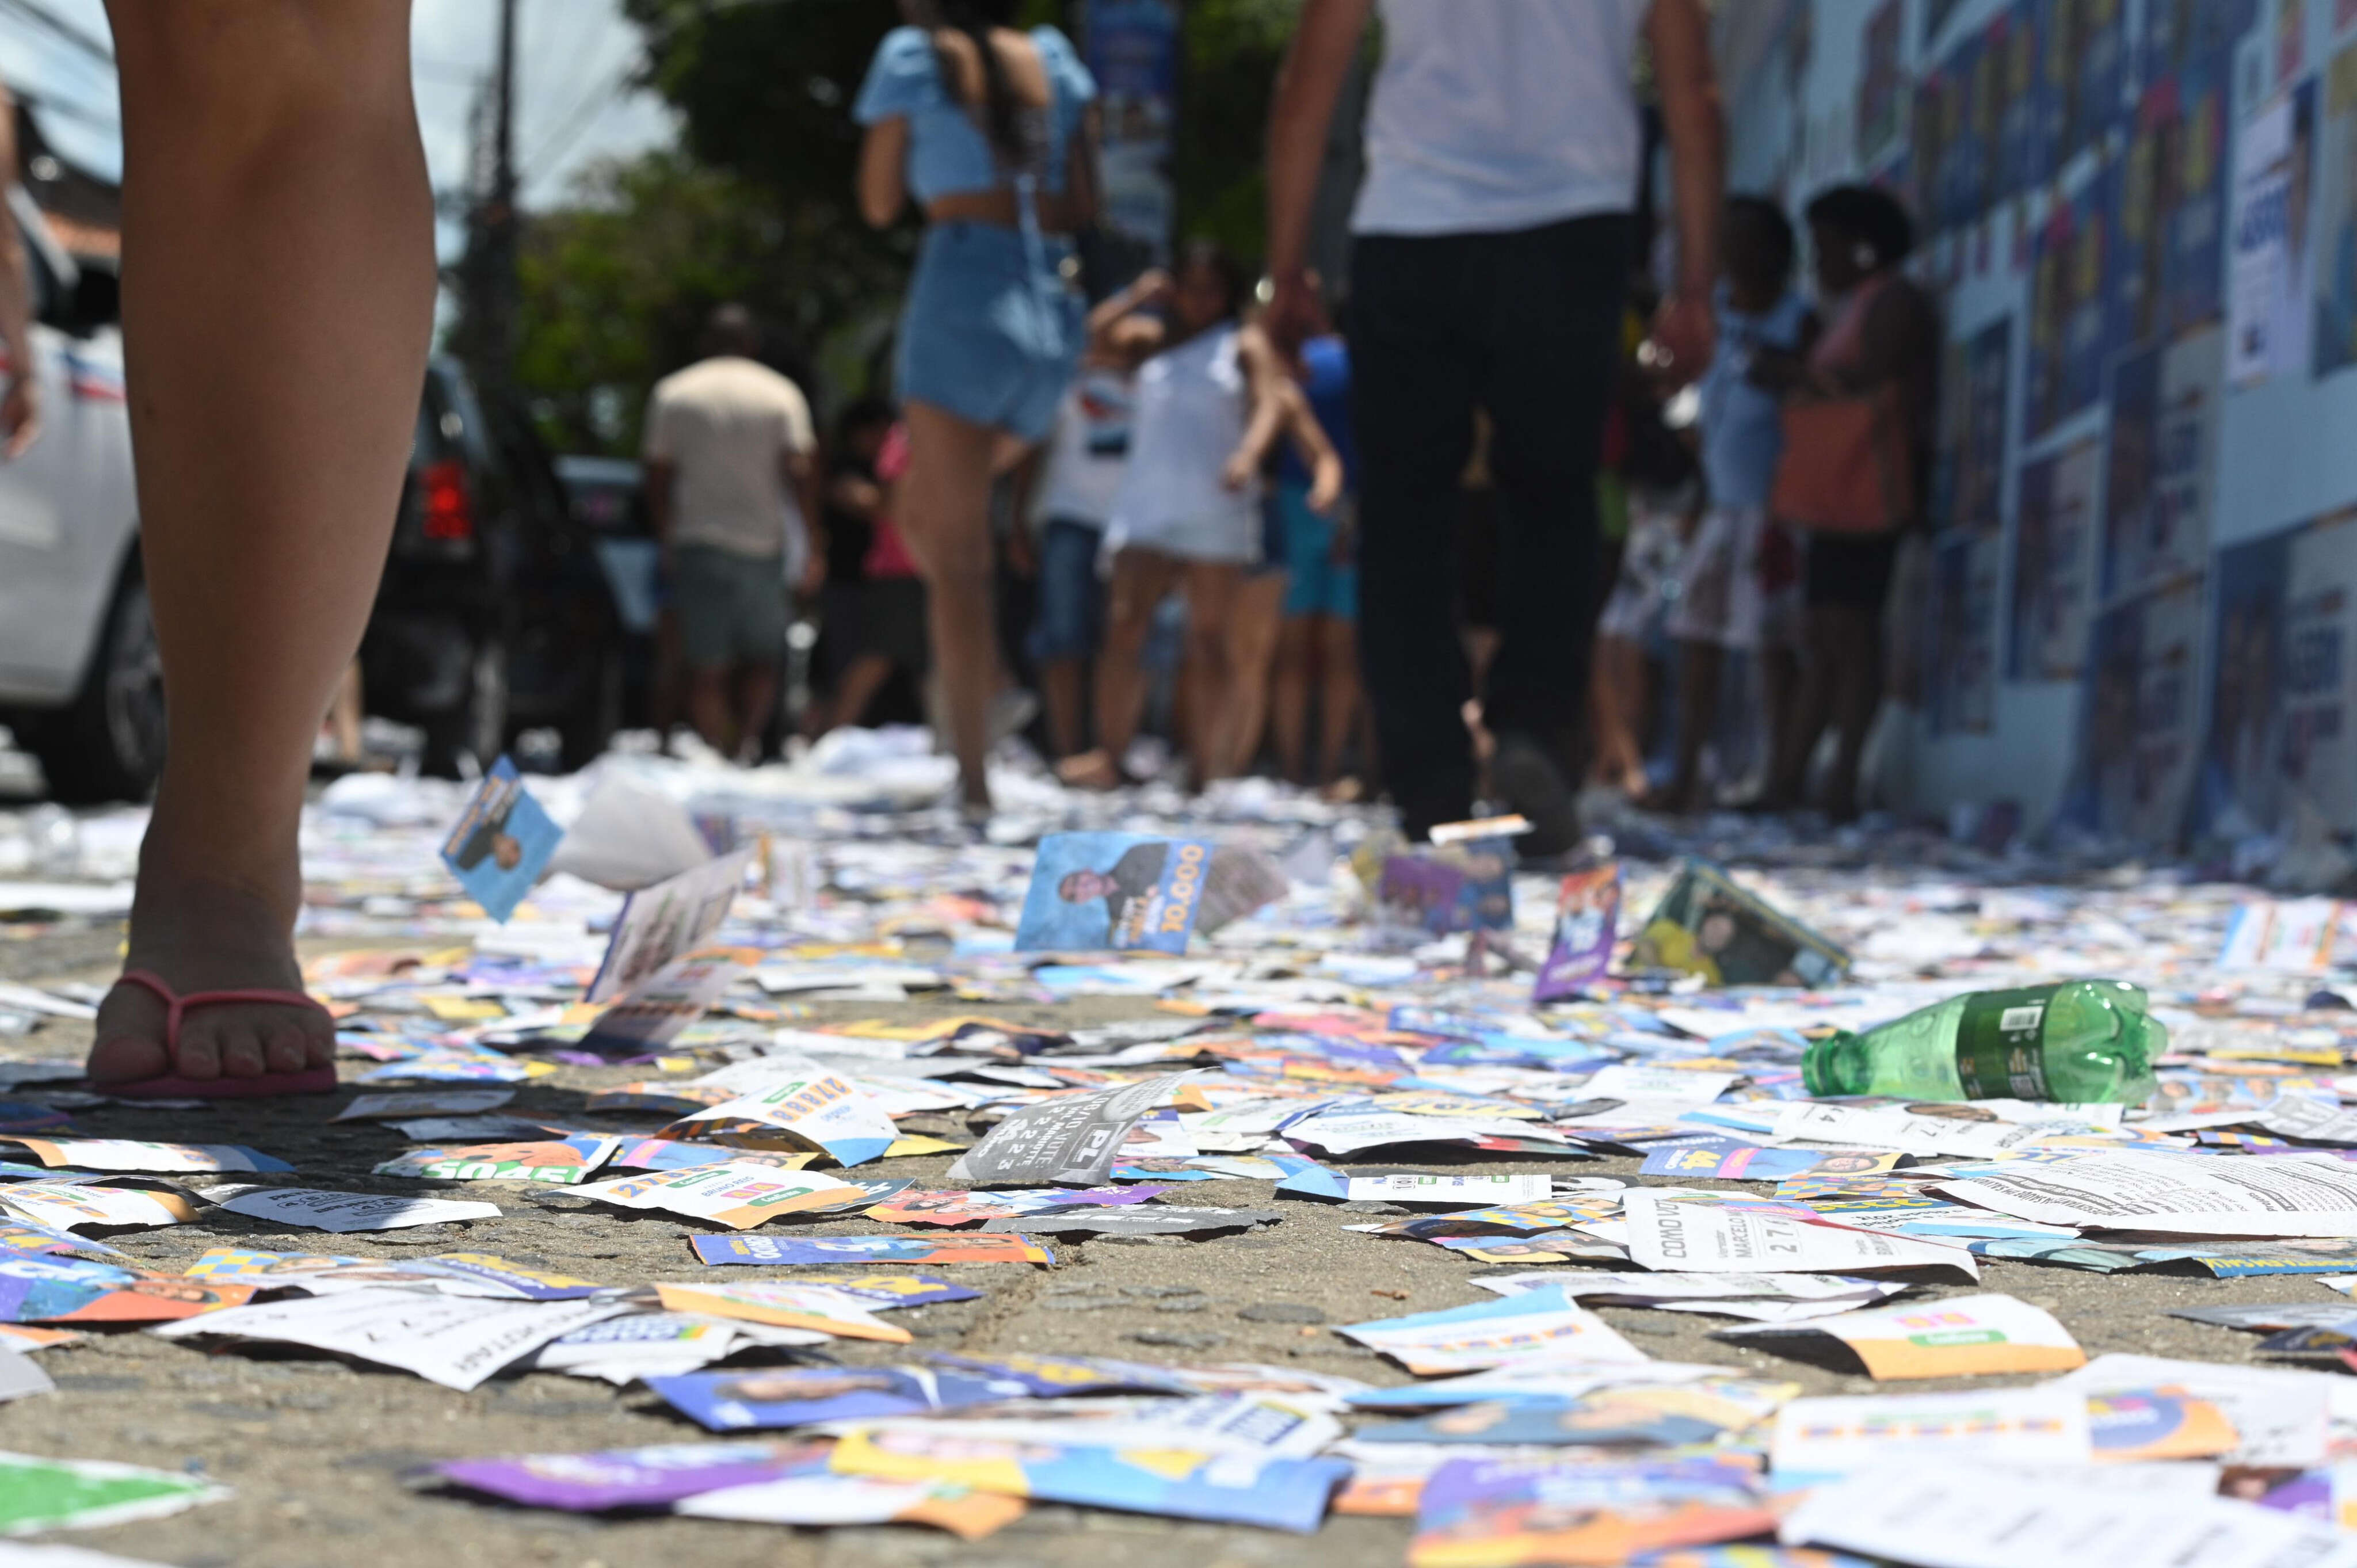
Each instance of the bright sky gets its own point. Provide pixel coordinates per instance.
(574, 106)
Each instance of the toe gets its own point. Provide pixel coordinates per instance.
(130, 1038)
(243, 1051)
(284, 1048)
(319, 1043)
(200, 1047)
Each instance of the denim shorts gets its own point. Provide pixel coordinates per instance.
(1319, 584)
(1072, 599)
(989, 334)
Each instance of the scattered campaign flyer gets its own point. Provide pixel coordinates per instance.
(1708, 925)
(1967, 1516)
(456, 1341)
(424, 1102)
(1587, 924)
(662, 924)
(39, 1494)
(958, 1206)
(1414, 1188)
(1818, 1439)
(501, 842)
(1501, 1512)
(652, 1014)
(882, 1288)
(820, 1308)
(845, 1249)
(2286, 1195)
(1135, 893)
(1159, 1220)
(1462, 884)
(67, 1206)
(768, 1397)
(128, 1154)
(1666, 1415)
(823, 1497)
(811, 1106)
(738, 1195)
(1230, 1488)
(344, 1212)
(1468, 1338)
(1962, 1336)
(650, 1478)
(561, 1162)
(2282, 1418)
(1070, 1139)
(1712, 1238)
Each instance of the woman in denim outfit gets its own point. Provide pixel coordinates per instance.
(989, 130)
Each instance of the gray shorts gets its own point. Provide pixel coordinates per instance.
(731, 608)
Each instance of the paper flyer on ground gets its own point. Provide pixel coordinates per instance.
(1957, 1336)
(1073, 1139)
(828, 1250)
(737, 1196)
(1586, 923)
(37, 1494)
(2289, 1195)
(813, 1107)
(1468, 1338)
(1664, 1233)
(662, 924)
(501, 842)
(343, 1212)
(652, 1014)
(1818, 1439)
(1706, 925)
(456, 1341)
(1130, 892)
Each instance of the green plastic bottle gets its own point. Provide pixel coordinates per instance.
(2081, 1042)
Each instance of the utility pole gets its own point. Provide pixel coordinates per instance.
(491, 284)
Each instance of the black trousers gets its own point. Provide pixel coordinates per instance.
(1527, 326)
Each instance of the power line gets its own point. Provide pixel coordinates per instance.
(585, 115)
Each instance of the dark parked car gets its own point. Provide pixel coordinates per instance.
(609, 502)
(495, 615)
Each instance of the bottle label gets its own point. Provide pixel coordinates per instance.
(2000, 1048)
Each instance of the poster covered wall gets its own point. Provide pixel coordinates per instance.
(1133, 52)
(2053, 588)
(2139, 716)
(2163, 456)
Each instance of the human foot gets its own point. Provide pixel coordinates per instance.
(196, 937)
(1090, 770)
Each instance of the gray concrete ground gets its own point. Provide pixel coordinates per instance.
(321, 1453)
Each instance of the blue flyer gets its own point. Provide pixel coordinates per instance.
(502, 842)
(763, 1398)
(1129, 892)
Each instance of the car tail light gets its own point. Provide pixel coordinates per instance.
(449, 512)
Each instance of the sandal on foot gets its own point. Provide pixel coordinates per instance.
(173, 1086)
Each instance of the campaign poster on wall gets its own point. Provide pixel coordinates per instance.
(1978, 503)
(2068, 319)
(2282, 688)
(2141, 193)
(2335, 328)
(2053, 562)
(2058, 82)
(2102, 47)
(2161, 468)
(2139, 707)
(2194, 190)
(1882, 79)
(1930, 131)
(2013, 38)
(1133, 52)
(2237, 791)
(1960, 676)
(2267, 286)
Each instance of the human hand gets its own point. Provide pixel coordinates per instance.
(813, 576)
(1292, 317)
(20, 417)
(1684, 335)
(1237, 472)
(1326, 488)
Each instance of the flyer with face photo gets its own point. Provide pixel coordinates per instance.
(662, 924)
(1708, 925)
(1132, 892)
(1586, 923)
(502, 842)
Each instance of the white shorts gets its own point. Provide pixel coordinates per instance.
(1739, 585)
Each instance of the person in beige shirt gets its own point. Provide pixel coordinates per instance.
(732, 487)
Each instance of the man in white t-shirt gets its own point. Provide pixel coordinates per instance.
(732, 486)
(1495, 245)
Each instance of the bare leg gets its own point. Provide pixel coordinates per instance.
(1699, 664)
(664, 685)
(708, 708)
(1338, 714)
(1142, 579)
(1062, 684)
(1289, 696)
(863, 678)
(344, 718)
(945, 516)
(278, 293)
(1618, 696)
(1252, 626)
(757, 705)
(1210, 674)
(1813, 707)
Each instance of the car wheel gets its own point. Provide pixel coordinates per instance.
(589, 728)
(108, 743)
(477, 726)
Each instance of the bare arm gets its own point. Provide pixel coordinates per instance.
(802, 476)
(1307, 85)
(1265, 383)
(1080, 200)
(1151, 287)
(883, 179)
(20, 414)
(1688, 85)
(659, 474)
(1313, 445)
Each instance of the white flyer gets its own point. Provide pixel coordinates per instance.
(1489, 1334)
(810, 1105)
(2295, 1116)
(343, 1212)
(130, 1155)
(662, 924)
(1961, 1518)
(2282, 1415)
(1663, 1289)
(1450, 1191)
(1957, 1336)
(1890, 1128)
(652, 1013)
(1710, 1237)
(1630, 1080)
(1346, 1132)
(824, 1501)
(737, 1196)
(66, 1205)
(1818, 1439)
(2191, 1194)
(456, 1341)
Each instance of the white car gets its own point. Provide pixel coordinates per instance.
(81, 681)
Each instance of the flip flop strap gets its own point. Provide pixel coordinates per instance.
(177, 1007)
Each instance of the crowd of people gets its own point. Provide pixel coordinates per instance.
(1178, 490)
(1489, 358)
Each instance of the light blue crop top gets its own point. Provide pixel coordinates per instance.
(948, 153)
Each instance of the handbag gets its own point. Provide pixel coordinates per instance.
(1847, 466)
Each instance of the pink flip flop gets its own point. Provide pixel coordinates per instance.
(172, 1086)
